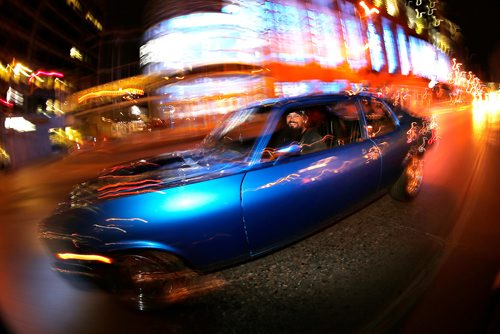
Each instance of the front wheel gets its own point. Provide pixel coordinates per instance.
(409, 183)
(148, 281)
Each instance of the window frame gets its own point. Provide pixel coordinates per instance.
(388, 111)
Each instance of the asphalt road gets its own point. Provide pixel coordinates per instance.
(391, 267)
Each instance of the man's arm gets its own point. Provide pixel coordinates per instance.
(312, 141)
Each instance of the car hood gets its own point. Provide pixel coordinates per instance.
(154, 174)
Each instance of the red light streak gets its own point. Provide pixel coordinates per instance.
(7, 104)
(112, 170)
(129, 193)
(124, 188)
(49, 74)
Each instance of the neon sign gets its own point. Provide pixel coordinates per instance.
(390, 47)
(376, 51)
(404, 57)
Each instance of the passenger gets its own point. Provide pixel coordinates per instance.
(299, 132)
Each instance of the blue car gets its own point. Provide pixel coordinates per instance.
(271, 174)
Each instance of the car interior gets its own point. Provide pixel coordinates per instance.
(337, 123)
(377, 117)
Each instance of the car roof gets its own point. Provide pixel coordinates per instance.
(309, 98)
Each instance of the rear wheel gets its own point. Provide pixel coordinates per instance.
(409, 183)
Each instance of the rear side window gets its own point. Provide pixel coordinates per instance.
(344, 122)
(379, 120)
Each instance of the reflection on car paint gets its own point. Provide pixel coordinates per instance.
(372, 154)
(110, 227)
(288, 178)
(305, 175)
(129, 188)
(128, 219)
(317, 177)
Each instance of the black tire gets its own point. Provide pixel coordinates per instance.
(149, 281)
(409, 183)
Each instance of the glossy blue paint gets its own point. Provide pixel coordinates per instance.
(199, 222)
(225, 203)
(286, 201)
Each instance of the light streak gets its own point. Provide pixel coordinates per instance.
(368, 11)
(421, 148)
(49, 74)
(129, 184)
(85, 257)
(436, 22)
(114, 169)
(131, 193)
(110, 227)
(118, 92)
(329, 170)
(127, 219)
(20, 68)
(327, 137)
(288, 178)
(7, 104)
(129, 188)
(320, 164)
(412, 133)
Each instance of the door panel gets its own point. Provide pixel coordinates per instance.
(286, 201)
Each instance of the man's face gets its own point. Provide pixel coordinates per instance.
(295, 120)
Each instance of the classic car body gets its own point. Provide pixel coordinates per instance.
(236, 196)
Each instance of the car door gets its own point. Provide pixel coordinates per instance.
(382, 127)
(287, 199)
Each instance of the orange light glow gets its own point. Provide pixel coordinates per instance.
(119, 92)
(368, 11)
(485, 116)
(85, 257)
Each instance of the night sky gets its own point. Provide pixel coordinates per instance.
(479, 21)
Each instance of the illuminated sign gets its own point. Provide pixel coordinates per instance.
(202, 38)
(423, 57)
(376, 51)
(353, 37)
(404, 57)
(326, 37)
(290, 28)
(443, 66)
(390, 46)
(19, 124)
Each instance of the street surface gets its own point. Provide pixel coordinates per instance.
(425, 266)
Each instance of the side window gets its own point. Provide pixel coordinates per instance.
(344, 123)
(303, 126)
(379, 120)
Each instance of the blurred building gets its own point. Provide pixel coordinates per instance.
(48, 50)
(305, 46)
(102, 53)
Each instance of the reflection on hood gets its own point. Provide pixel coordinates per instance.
(153, 175)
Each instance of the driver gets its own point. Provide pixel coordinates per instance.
(298, 132)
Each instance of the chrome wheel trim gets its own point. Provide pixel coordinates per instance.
(414, 175)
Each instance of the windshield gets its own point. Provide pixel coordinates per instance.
(238, 133)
